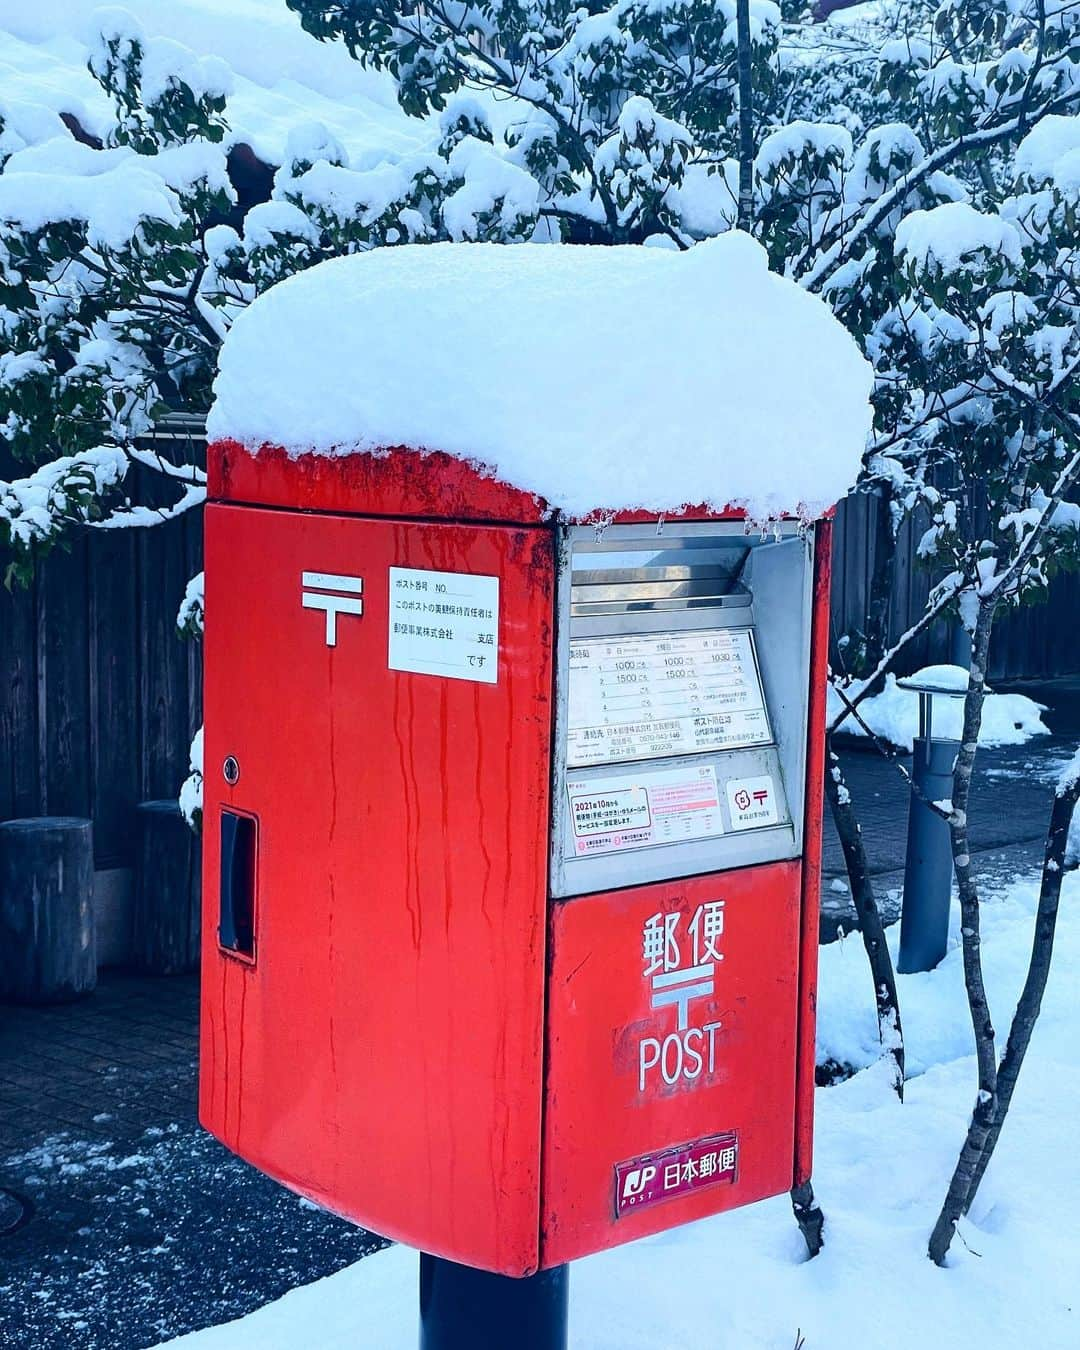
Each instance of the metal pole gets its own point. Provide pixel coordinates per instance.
(466, 1309)
(928, 871)
(960, 646)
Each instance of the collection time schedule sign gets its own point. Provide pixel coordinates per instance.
(658, 694)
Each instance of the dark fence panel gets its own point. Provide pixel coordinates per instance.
(99, 695)
(1035, 642)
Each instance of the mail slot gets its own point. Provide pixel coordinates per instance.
(521, 831)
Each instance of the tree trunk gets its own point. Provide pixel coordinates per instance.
(165, 937)
(985, 1110)
(47, 948)
(809, 1217)
(746, 117)
(871, 927)
(1042, 951)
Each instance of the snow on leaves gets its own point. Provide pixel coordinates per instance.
(64, 490)
(101, 276)
(164, 93)
(955, 242)
(917, 165)
(607, 105)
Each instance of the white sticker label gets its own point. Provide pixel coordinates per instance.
(752, 802)
(444, 623)
(666, 806)
(652, 695)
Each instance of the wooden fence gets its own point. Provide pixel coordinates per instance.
(1036, 642)
(99, 697)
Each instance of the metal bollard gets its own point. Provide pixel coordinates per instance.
(466, 1309)
(928, 868)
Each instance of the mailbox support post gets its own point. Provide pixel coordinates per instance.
(928, 869)
(466, 1309)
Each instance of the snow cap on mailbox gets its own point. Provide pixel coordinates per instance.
(597, 379)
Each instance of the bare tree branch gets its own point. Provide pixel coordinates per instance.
(890, 1030)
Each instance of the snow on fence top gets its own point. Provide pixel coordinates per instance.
(596, 378)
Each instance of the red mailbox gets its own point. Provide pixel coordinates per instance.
(512, 836)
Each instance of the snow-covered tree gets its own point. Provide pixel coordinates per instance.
(103, 309)
(913, 165)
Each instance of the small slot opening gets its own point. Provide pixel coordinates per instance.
(696, 572)
(236, 926)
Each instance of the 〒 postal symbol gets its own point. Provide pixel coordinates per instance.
(323, 590)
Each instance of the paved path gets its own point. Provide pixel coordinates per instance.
(144, 1227)
(1010, 808)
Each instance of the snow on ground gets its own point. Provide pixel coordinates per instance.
(127, 1228)
(281, 76)
(741, 1280)
(467, 349)
(1008, 719)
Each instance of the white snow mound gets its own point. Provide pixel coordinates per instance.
(596, 378)
(893, 715)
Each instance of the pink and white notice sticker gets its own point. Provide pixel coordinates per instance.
(644, 806)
